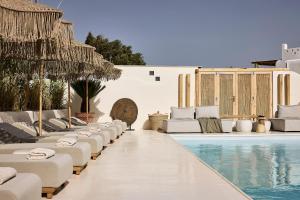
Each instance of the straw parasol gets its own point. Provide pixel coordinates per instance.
(34, 39)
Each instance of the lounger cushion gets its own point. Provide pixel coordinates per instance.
(289, 111)
(25, 186)
(95, 141)
(181, 126)
(207, 111)
(18, 133)
(182, 113)
(53, 171)
(80, 152)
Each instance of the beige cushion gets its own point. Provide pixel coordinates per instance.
(207, 111)
(53, 171)
(182, 113)
(80, 152)
(289, 111)
(25, 186)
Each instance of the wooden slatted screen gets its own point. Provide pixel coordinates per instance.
(226, 94)
(263, 94)
(244, 94)
(207, 89)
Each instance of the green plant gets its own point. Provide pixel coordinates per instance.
(33, 103)
(94, 88)
(9, 94)
(57, 91)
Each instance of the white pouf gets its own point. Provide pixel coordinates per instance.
(244, 125)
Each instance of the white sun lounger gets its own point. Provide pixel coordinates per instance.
(25, 186)
(95, 142)
(54, 171)
(80, 152)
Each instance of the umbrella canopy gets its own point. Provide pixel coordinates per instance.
(23, 20)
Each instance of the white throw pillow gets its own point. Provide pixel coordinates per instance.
(289, 111)
(207, 111)
(182, 113)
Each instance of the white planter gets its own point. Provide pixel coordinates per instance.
(244, 126)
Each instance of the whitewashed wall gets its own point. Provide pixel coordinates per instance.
(150, 95)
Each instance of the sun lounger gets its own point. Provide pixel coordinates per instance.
(80, 152)
(24, 186)
(123, 124)
(95, 141)
(54, 172)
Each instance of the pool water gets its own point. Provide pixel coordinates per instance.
(263, 167)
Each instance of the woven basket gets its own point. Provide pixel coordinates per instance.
(156, 120)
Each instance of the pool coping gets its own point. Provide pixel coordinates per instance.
(208, 166)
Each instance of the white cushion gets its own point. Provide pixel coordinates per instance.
(289, 111)
(207, 111)
(182, 113)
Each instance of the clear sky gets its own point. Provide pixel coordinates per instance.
(212, 33)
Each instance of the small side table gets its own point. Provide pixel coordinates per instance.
(261, 128)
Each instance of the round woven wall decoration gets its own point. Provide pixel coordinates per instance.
(126, 110)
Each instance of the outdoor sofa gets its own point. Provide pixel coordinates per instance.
(287, 120)
(184, 120)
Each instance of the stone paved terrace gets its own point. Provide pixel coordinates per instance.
(144, 165)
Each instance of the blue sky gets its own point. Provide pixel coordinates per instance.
(215, 33)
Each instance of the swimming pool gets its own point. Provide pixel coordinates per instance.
(265, 168)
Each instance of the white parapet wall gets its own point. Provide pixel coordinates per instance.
(149, 94)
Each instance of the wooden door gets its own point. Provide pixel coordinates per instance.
(226, 93)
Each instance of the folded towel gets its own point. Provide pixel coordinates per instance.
(6, 173)
(40, 154)
(21, 152)
(84, 133)
(66, 141)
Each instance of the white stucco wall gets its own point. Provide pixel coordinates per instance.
(150, 95)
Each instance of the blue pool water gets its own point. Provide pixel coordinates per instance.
(264, 168)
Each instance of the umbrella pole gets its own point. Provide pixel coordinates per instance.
(69, 104)
(87, 99)
(41, 68)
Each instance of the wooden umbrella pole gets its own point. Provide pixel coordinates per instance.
(41, 75)
(69, 104)
(87, 98)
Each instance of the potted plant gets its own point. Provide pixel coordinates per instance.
(94, 88)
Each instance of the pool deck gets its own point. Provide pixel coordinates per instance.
(144, 165)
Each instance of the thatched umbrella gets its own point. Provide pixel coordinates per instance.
(35, 35)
